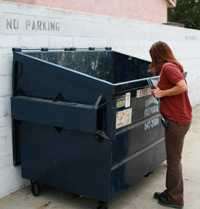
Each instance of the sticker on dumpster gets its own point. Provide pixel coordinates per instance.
(121, 101)
(123, 118)
(143, 92)
(127, 99)
(124, 100)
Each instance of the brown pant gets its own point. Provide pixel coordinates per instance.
(174, 139)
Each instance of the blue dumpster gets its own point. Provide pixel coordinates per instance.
(84, 120)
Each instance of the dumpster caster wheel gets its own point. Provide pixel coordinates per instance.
(101, 205)
(35, 188)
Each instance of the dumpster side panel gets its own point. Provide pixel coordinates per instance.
(69, 160)
(139, 146)
(137, 122)
(46, 86)
(130, 170)
(137, 137)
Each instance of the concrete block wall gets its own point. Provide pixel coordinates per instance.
(35, 27)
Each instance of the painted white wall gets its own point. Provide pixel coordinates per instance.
(28, 27)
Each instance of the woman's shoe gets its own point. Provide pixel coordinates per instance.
(164, 202)
(158, 195)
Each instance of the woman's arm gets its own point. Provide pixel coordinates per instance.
(179, 88)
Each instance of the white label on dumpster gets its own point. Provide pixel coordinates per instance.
(123, 118)
(127, 99)
(143, 92)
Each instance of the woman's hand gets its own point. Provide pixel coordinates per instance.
(157, 93)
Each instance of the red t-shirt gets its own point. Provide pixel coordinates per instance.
(177, 107)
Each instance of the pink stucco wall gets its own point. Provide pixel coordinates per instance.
(145, 10)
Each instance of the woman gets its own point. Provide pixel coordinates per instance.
(175, 107)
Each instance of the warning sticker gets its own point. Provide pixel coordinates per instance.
(143, 92)
(123, 118)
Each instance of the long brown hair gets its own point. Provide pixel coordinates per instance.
(161, 53)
